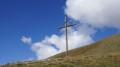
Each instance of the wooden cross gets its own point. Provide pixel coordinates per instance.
(66, 33)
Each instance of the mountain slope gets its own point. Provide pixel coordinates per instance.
(105, 46)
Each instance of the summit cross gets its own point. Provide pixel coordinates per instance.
(66, 34)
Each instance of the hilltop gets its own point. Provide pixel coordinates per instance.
(103, 53)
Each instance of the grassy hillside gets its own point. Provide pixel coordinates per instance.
(107, 45)
(104, 53)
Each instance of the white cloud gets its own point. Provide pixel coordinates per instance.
(98, 13)
(43, 50)
(26, 40)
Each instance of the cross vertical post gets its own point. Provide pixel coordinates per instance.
(66, 34)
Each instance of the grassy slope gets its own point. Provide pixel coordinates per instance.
(104, 53)
(105, 46)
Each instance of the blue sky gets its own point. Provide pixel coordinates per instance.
(35, 19)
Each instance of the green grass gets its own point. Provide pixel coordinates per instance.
(111, 60)
(104, 53)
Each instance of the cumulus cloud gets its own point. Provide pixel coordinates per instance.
(98, 13)
(43, 50)
(26, 40)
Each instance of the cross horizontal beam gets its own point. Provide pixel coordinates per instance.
(67, 26)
